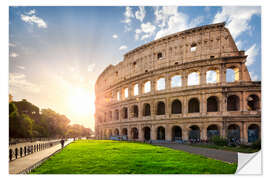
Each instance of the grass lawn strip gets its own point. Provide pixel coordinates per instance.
(116, 157)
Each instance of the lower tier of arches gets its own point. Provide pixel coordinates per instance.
(244, 132)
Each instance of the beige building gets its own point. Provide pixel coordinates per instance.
(189, 85)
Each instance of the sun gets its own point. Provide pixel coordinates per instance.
(81, 102)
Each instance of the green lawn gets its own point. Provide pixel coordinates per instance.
(114, 157)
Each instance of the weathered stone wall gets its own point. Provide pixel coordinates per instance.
(164, 58)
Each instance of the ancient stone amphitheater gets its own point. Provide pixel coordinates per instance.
(190, 85)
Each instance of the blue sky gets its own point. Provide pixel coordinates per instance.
(56, 53)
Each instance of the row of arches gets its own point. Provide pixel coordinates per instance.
(213, 104)
(194, 132)
(212, 75)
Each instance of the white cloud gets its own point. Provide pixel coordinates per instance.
(237, 18)
(147, 30)
(140, 14)
(252, 52)
(239, 44)
(13, 55)
(115, 36)
(21, 67)
(91, 67)
(170, 20)
(123, 47)
(31, 18)
(128, 16)
(33, 11)
(253, 76)
(18, 81)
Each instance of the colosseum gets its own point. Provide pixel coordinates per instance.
(189, 85)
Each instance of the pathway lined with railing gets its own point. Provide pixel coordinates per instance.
(26, 163)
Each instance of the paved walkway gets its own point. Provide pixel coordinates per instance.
(19, 165)
(227, 156)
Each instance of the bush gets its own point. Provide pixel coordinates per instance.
(219, 141)
(256, 144)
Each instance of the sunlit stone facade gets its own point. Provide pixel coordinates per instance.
(188, 85)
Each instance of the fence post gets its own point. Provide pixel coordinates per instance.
(21, 151)
(10, 154)
(24, 150)
(16, 153)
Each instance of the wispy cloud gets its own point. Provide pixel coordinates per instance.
(31, 18)
(254, 76)
(18, 82)
(140, 14)
(12, 45)
(237, 18)
(252, 52)
(128, 14)
(147, 30)
(123, 47)
(170, 20)
(91, 67)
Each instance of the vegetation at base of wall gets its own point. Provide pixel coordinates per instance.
(119, 157)
(219, 141)
(26, 121)
(242, 148)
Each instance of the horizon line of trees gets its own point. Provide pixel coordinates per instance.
(27, 121)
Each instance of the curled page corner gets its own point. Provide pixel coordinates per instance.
(249, 163)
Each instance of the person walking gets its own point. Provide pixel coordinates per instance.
(62, 142)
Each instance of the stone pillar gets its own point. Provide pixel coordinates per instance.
(168, 133)
(141, 133)
(184, 79)
(153, 133)
(202, 76)
(153, 86)
(167, 82)
(223, 131)
(245, 133)
(129, 133)
(185, 132)
(203, 132)
(222, 72)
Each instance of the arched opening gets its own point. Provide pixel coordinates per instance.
(193, 105)
(161, 133)
(212, 104)
(147, 87)
(233, 132)
(232, 74)
(116, 132)
(193, 79)
(176, 107)
(125, 113)
(117, 114)
(146, 110)
(253, 102)
(161, 84)
(135, 111)
(233, 103)
(176, 133)
(212, 130)
(147, 133)
(253, 133)
(212, 76)
(194, 133)
(125, 133)
(160, 108)
(136, 90)
(134, 133)
(176, 81)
